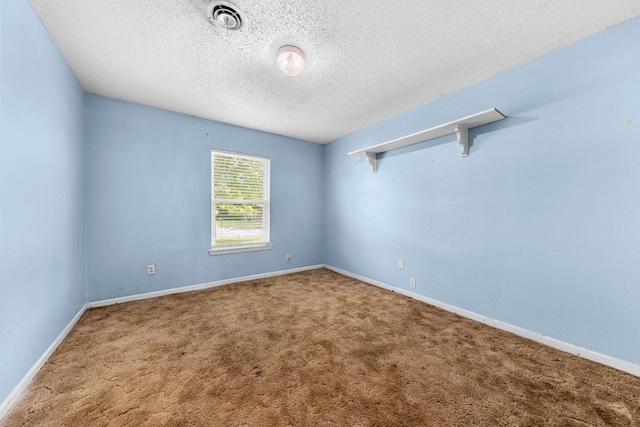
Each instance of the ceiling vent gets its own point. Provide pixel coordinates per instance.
(225, 15)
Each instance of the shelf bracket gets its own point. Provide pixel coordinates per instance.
(373, 162)
(463, 139)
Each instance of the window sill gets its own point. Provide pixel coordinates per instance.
(238, 249)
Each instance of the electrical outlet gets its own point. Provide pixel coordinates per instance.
(287, 257)
(401, 264)
(412, 282)
(151, 269)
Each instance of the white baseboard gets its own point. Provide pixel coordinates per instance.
(15, 394)
(199, 287)
(594, 356)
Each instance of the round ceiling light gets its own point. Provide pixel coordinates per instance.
(224, 14)
(290, 61)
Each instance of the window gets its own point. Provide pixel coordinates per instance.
(239, 202)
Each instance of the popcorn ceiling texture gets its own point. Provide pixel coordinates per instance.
(312, 349)
(367, 60)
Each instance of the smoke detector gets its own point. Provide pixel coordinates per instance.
(225, 15)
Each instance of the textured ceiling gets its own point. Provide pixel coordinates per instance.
(367, 60)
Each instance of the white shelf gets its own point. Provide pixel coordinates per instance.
(459, 127)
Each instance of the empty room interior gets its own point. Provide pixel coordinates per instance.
(328, 192)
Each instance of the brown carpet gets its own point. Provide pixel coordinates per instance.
(312, 349)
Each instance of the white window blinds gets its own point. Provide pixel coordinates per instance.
(239, 202)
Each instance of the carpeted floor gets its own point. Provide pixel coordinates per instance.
(312, 349)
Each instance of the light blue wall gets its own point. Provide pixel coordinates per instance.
(41, 239)
(148, 200)
(539, 227)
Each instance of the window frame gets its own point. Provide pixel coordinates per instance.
(266, 207)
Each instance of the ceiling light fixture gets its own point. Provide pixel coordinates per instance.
(290, 61)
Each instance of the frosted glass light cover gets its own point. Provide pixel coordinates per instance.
(290, 61)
